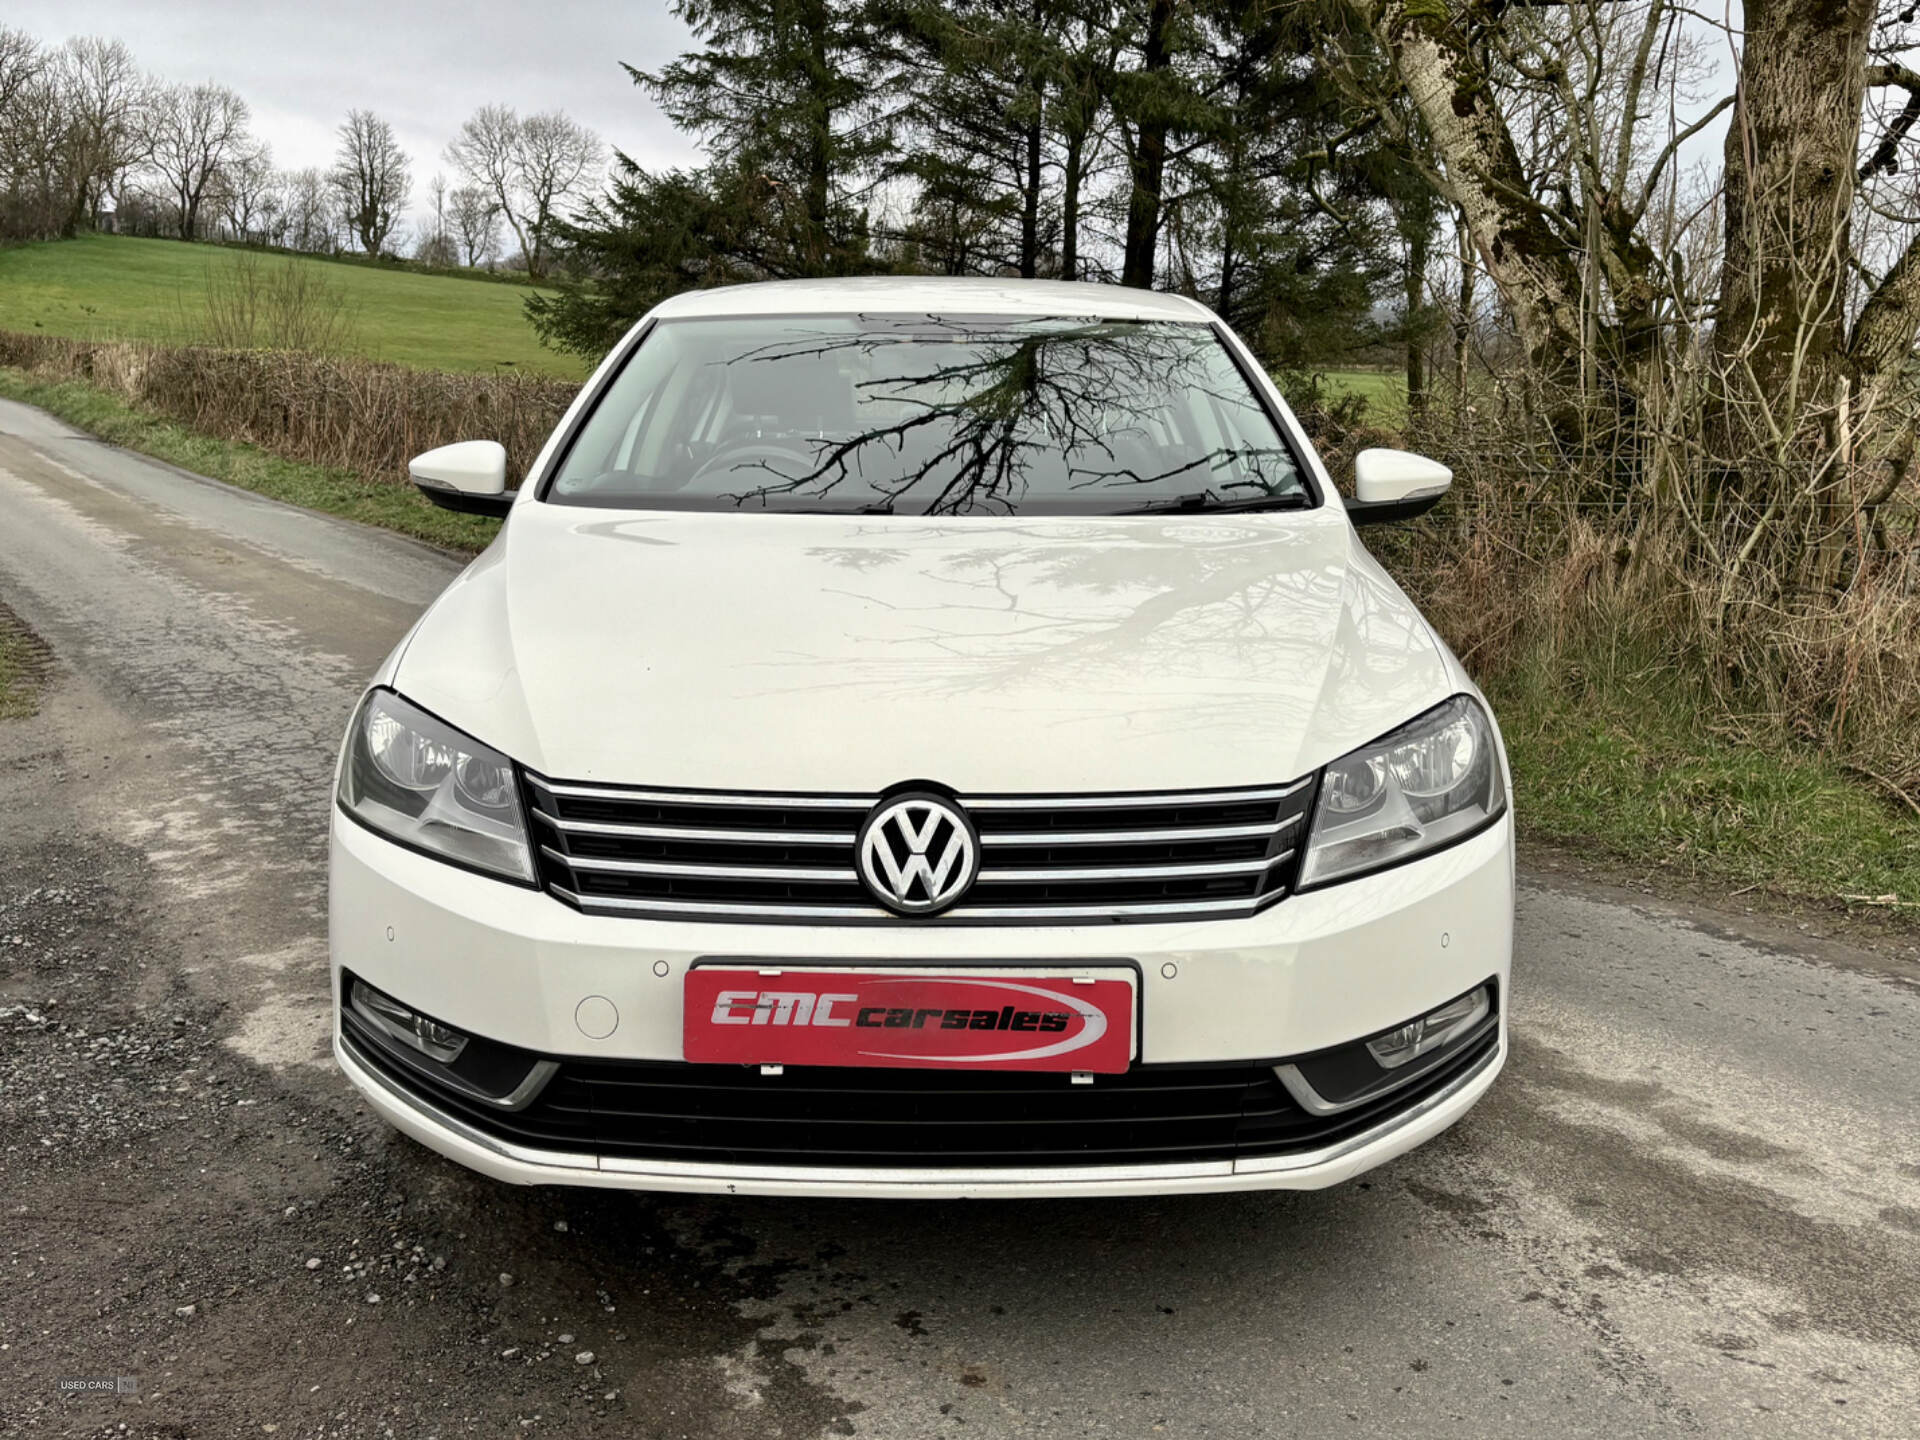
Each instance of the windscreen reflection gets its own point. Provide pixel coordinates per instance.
(925, 415)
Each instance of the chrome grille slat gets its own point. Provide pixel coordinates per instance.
(690, 832)
(1126, 837)
(1145, 800)
(741, 857)
(701, 797)
(716, 872)
(1046, 875)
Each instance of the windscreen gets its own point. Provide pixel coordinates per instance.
(924, 415)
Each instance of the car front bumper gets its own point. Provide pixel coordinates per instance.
(1317, 970)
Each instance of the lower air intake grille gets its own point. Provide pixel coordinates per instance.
(821, 1116)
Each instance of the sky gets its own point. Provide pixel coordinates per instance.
(423, 65)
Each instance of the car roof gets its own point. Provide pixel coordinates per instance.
(916, 295)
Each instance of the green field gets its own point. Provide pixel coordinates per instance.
(1385, 391)
(110, 287)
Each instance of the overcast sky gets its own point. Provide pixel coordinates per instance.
(423, 65)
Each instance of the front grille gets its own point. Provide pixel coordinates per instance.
(1073, 859)
(734, 1115)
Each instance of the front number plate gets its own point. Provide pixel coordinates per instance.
(1025, 1021)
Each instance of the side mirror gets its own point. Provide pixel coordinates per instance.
(470, 477)
(1393, 485)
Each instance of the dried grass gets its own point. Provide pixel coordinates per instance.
(1537, 558)
(356, 415)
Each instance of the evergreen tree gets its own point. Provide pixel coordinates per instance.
(783, 90)
(1283, 232)
(653, 236)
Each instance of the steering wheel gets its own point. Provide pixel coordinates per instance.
(757, 458)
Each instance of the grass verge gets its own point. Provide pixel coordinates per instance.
(334, 492)
(19, 672)
(1631, 765)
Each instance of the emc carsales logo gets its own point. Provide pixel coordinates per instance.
(918, 853)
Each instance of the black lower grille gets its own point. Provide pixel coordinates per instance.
(814, 1116)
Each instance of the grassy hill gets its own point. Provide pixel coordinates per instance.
(111, 287)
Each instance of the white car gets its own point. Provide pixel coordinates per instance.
(923, 738)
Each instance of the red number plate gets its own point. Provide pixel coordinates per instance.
(1023, 1021)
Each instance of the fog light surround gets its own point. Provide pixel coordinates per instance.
(437, 1042)
(1347, 1076)
(1431, 1031)
(402, 1043)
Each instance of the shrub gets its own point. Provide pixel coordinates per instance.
(358, 415)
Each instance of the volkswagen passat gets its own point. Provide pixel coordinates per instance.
(923, 738)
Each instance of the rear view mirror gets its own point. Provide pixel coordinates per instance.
(1395, 485)
(470, 477)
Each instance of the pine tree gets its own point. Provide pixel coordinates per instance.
(783, 90)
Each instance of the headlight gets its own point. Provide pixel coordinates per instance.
(1433, 781)
(418, 780)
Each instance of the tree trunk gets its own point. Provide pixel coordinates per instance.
(1417, 244)
(1463, 316)
(1881, 347)
(1148, 162)
(1030, 203)
(1791, 155)
(1534, 266)
(1070, 206)
(819, 133)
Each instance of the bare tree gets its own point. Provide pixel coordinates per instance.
(529, 167)
(246, 186)
(436, 245)
(485, 152)
(307, 211)
(372, 177)
(25, 99)
(104, 102)
(558, 159)
(196, 130)
(20, 62)
(474, 218)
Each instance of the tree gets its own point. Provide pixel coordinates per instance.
(1085, 58)
(245, 190)
(1149, 100)
(20, 63)
(307, 209)
(372, 177)
(785, 90)
(28, 123)
(530, 167)
(473, 217)
(1272, 215)
(1791, 157)
(104, 101)
(436, 244)
(558, 159)
(195, 130)
(977, 84)
(655, 235)
(486, 153)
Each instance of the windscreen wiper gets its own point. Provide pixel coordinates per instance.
(1206, 502)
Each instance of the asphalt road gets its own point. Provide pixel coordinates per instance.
(1691, 1205)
